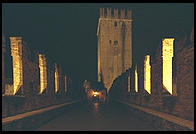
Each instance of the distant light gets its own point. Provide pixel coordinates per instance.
(95, 93)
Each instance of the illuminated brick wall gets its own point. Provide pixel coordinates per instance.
(167, 54)
(147, 74)
(56, 79)
(16, 53)
(31, 76)
(180, 105)
(136, 79)
(43, 73)
(185, 82)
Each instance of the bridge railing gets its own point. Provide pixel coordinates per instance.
(22, 93)
(180, 104)
(33, 119)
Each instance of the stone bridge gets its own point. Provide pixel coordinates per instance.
(39, 96)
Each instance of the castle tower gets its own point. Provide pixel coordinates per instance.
(114, 34)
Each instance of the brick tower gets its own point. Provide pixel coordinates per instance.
(114, 34)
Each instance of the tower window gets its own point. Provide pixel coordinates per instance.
(115, 24)
(110, 41)
(115, 42)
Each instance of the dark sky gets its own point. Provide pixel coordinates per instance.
(66, 32)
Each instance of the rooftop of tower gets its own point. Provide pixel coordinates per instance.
(115, 13)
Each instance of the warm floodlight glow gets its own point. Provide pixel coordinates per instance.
(147, 74)
(129, 84)
(136, 80)
(43, 73)
(56, 79)
(167, 54)
(95, 93)
(16, 52)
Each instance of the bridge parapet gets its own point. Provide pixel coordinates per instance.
(32, 119)
(181, 102)
(24, 88)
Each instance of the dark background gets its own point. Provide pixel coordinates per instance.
(66, 32)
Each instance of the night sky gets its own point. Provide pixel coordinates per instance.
(66, 32)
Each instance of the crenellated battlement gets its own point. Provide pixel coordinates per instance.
(115, 13)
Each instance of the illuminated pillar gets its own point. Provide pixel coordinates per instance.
(129, 84)
(43, 73)
(147, 74)
(16, 53)
(167, 54)
(65, 83)
(136, 80)
(56, 79)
